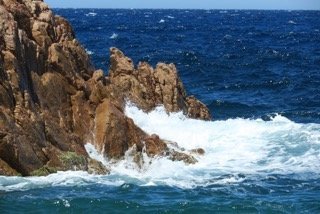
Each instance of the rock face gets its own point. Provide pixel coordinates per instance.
(148, 87)
(53, 102)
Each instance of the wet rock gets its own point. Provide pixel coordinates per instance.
(198, 151)
(72, 160)
(180, 156)
(154, 145)
(115, 134)
(96, 167)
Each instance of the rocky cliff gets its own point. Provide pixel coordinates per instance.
(53, 101)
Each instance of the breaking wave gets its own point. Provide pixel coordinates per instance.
(236, 150)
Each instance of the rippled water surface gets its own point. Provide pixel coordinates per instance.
(258, 71)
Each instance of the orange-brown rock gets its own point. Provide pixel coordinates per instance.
(147, 87)
(43, 111)
(53, 102)
(115, 133)
(5, 169)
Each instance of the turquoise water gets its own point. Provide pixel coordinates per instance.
(264, 196)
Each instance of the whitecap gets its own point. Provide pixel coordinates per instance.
(89, 52)
(162, 21)
(114, 36)
(170, 17)
(227, 36)
(291, 22)
(275, 52)
(91, 14)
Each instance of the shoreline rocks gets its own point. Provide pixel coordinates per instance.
(53, 101)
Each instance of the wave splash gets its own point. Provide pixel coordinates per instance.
(236, 150)
(239, 145)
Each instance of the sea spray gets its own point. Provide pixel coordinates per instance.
(235, 150)
(94, 154)
(238, 145)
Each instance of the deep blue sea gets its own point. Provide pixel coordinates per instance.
(259, 73)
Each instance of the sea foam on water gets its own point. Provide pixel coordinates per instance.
(235, 149)
(238, 145)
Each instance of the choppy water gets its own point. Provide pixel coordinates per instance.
(259, 72)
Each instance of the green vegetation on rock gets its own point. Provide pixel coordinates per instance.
(43, 171)
(72, 160)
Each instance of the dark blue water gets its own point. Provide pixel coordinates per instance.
(242, 64)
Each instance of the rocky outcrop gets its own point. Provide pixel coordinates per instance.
(148, 87)
(53, 102)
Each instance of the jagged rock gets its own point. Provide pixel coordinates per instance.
(70, 161)
(198, 151)
(115, 133)
(52, 101)
(5, 169)
(154, 145)
(197, 109)
(96, 167)
(40, 90)
(147, 87)
(179, 156)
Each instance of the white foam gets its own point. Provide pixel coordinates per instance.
(91, 14)
(94, 154)
(170, 17)
(236, 149)
(238, 145)
(162, 21)
(68, 178)
(292, 22)
(89, 52)
(114, 36)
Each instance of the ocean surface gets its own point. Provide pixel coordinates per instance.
(259, 73)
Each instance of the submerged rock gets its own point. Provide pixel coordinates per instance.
(52, 100)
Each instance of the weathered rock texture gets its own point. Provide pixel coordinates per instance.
(52, 101)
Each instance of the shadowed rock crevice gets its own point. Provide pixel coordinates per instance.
(53, 102)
